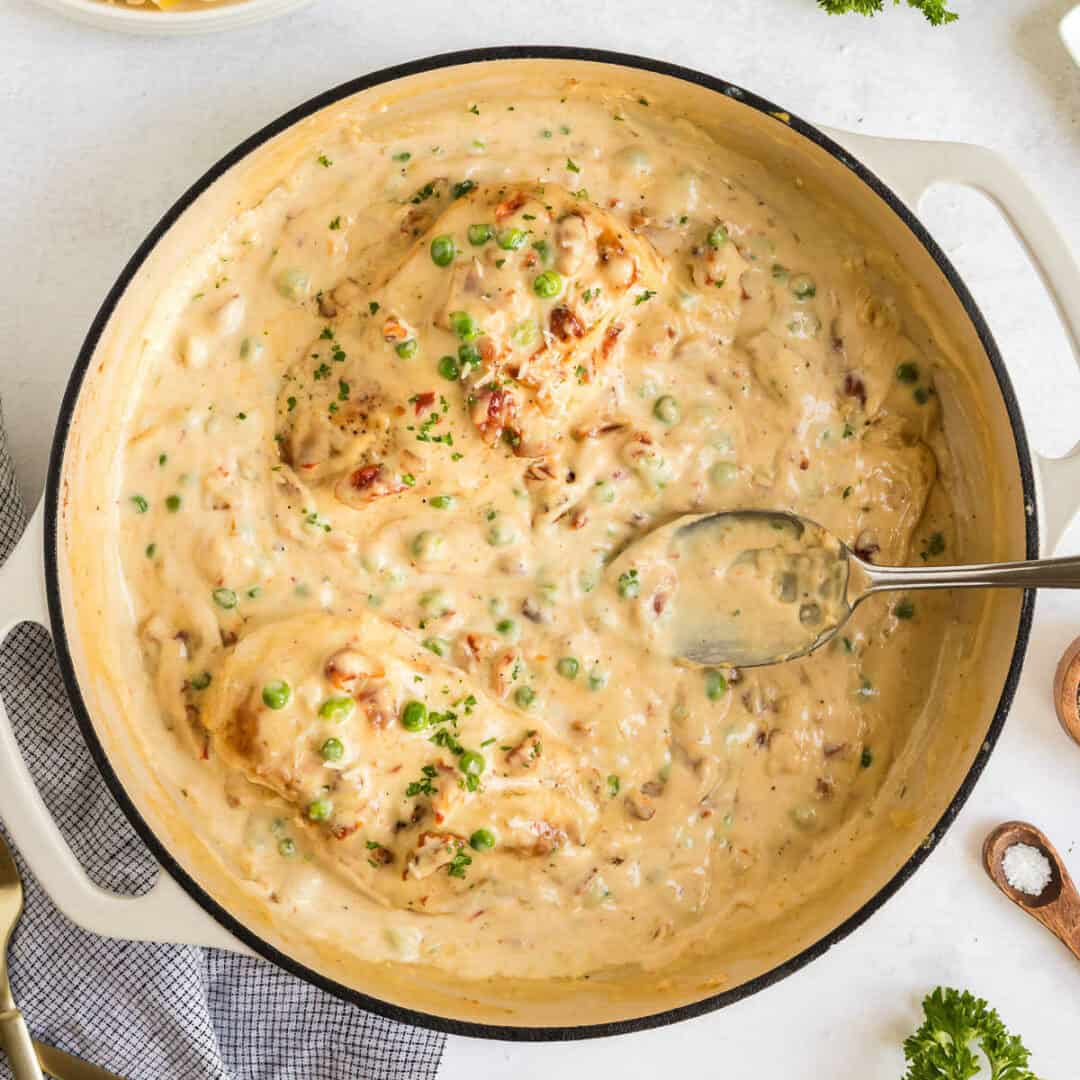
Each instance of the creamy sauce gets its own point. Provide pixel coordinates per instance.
(738, 589)
(376, 478)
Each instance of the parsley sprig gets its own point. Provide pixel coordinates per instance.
(942, 1047)
(936, 11)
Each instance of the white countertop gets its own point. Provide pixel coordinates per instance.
(100, 133)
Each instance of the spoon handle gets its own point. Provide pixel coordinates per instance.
(1035, 574)
(18, 1045)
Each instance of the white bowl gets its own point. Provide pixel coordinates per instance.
(146, 19)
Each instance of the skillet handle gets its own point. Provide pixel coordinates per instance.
(166, 913)
(909, 167)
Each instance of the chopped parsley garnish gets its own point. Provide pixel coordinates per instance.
(324, 161)
(935, 545)
(343, 390)
(445, 739)
(373, 306)
(423, 786)
(335, 224)
(474, 109)
(291, 402)
(462, 188)
(641, 297)
(572, 166)
(423, 194)
(459, 863)
(327, 334)
(322, 371)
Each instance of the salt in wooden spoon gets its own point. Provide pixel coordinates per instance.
(1057, 907)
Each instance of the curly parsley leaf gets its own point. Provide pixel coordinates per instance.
(936, 11)
(942, 1049)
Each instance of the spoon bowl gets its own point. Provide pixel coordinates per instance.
(745, 588)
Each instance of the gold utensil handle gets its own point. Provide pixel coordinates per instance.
(64, 1066)
(19, 1046)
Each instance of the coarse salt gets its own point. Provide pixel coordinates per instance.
(1026, 868)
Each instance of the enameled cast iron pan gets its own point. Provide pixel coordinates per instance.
(189, 905)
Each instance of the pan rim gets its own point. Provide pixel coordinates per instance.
(54, 492)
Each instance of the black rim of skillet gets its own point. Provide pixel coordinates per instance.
(53, 496)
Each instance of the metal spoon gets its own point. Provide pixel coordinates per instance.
(13, 1031)
(847, 581)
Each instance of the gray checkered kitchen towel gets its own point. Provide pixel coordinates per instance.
(156, 1012)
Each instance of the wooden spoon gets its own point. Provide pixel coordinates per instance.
(1067, 690)
(1057, 907)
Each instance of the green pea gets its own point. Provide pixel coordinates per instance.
(332, 749)
(480, 234)
(225, 598)
(251, 348)
(286, 847)
(908, 373)
(724, 472)
(449, 368)
(666, 410)
(439, 646)
(715, 685)
(293, 284)
(597, 679)
(525, 333)
(511, 239)
(337, 708)
(802, 287)
(427, 545)
(443, 250)
(717, 236)
(436, 602)
(548, 284)
(525, 696)
(604, 491)
(141, 505)
(464, 325)
(414, 716)
(200, 681)
(276, 694)
(173, 503)
(506, 627)
(320, 809)
(500, 534)
(407, 349)
(628, 585)
(543, 249)
(568, 667)
(442, 502)
(472, 763)
(482, 840)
